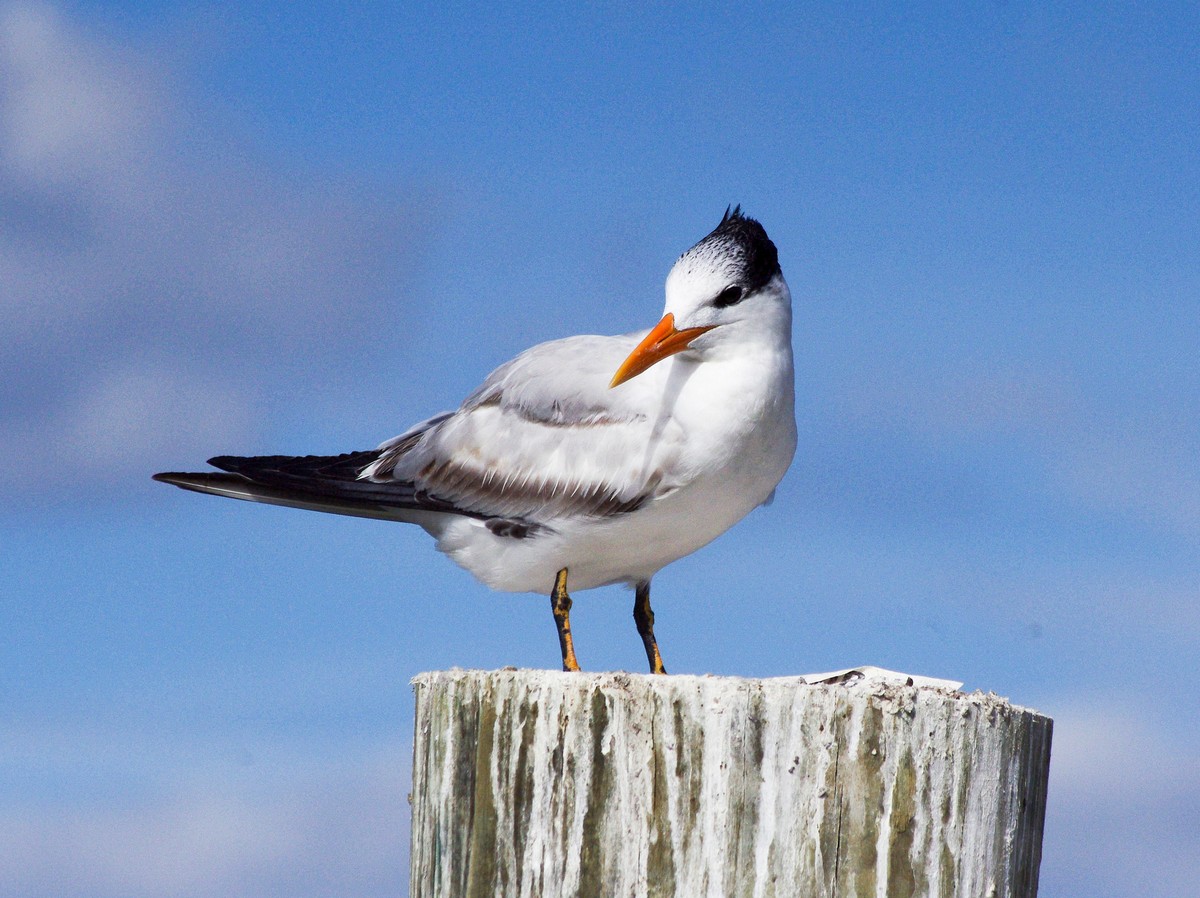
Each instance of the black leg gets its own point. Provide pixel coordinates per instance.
(560, 604)
(643, 616)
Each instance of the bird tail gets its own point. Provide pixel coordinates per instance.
(326, 483)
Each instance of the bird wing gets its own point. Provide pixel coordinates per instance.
(329, 483)
(543, 438)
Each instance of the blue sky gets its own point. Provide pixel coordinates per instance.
(298, 229)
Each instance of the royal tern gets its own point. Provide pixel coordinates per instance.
(601, 459)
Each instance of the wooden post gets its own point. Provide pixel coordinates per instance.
(544, 784)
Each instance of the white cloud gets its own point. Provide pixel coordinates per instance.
(212, 783)
(158, 282)
(308, 831)
(139, 414)
(1123, 815)
(1110, 745)
(1099, 449)
(73, 110)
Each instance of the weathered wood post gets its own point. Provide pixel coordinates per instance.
(544, 784)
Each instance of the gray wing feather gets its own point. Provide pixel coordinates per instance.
(543, 437)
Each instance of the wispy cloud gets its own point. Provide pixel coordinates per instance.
(1124, 812)
(1096, 446)
(158, 282)
(298, 832)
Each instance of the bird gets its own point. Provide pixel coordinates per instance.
(588, 460)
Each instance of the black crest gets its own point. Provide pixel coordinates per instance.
(745, 244)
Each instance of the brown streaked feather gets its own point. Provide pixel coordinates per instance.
(385, 461)
(526, 496)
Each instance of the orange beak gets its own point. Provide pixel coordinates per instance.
(663, 341)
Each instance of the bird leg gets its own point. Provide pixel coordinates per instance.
(643, 616)
(560, 604)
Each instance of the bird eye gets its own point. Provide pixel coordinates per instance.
(730, 296)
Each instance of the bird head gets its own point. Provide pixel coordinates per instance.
(727, 287)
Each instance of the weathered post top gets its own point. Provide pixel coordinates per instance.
(545, 784)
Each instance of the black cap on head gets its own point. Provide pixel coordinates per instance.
(743, 244)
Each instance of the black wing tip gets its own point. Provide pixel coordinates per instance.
(242, 463)
(172, 477)
(189, 479)
(234, 462)
(231, 464)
